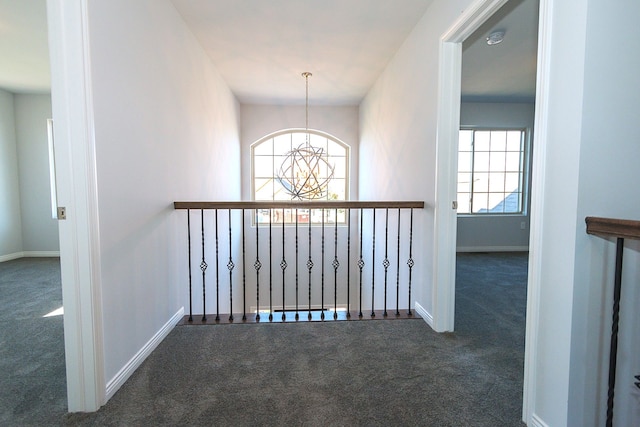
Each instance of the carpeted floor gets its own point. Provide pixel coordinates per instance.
(344, 373)
(33, 383)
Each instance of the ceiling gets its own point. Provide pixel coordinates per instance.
(261, 47)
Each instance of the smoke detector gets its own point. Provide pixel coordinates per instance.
(495, 37)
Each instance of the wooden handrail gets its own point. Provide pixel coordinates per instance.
(610, 227)
(291, 204)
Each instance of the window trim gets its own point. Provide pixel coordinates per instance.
(526, 153)
(347, 165)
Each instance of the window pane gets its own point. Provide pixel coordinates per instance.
(464, 162)
(464, 182)
(513, 203)
(339, 167)
(263, 189)
(496, 182)
(264, 148)
(319, 142)
(336, 189)
(298, 139)
(480, 202)
(481, 140)
(263, 167)
(512, 181)
(481, 162)
(497, 161)
(514, 140)
(282, 144)
(335, 149)
(464, 202)
(496, 204)
(498, 140)
(512, 162)
(464, 140)
(480, 182)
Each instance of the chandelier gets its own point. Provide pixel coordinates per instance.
(305, 172)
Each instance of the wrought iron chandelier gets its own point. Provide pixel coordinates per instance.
(305, 172)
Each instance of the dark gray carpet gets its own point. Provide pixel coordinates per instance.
(32, 384)
(348, 373)
(368, 373)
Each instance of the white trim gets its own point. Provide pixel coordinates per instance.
(114, 384)
(10, 257)
(72, 104)
(30, 254)
(41, 254)
(537, 209)
(536, 421)
(448, 126)
(424, 314)
(492, 249)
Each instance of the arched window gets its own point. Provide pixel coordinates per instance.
(297, 164)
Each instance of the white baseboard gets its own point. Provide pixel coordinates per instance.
(41, 254)
(29, 254)
(12, 256)
(492, 249)
(123, 375)
(537, 422)
(424, 314)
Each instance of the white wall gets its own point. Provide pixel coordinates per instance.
(10, 215)
(398, 133)
(495, 232)
(591, 167)
(166, 129)
(39, 229)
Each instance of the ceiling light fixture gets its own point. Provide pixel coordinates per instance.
(495, 37)
(305, 172)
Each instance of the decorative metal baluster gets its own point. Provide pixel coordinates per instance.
(398, 269)
(230, 266)
(322, 271)
(360, 265)
(203, 267)
(297, 316)
(410, 262)
(373, 267)
(189, 247)
(244, 273)
(348, 212)
(270, 270)
(257, 265)
(217, 270)
(336, 264)
(386, 263)
(309, 263)
(283, 266)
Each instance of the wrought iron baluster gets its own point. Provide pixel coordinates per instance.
(360, 265)
(309, 264)
(283, 266)
(257, 265)
(189, 247)
(297, 316)
(373, 266)
(322, 271)
(348, 212)
(230, 266)
(244, 273)
(203, 267)
(217, 270)
(398, 269)
(270, 269)
(410, 262)
(336, 264)
(386, 263)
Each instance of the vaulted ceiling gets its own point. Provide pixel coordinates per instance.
(261, 47)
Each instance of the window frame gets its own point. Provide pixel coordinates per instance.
(329, 137)
(524, 171)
